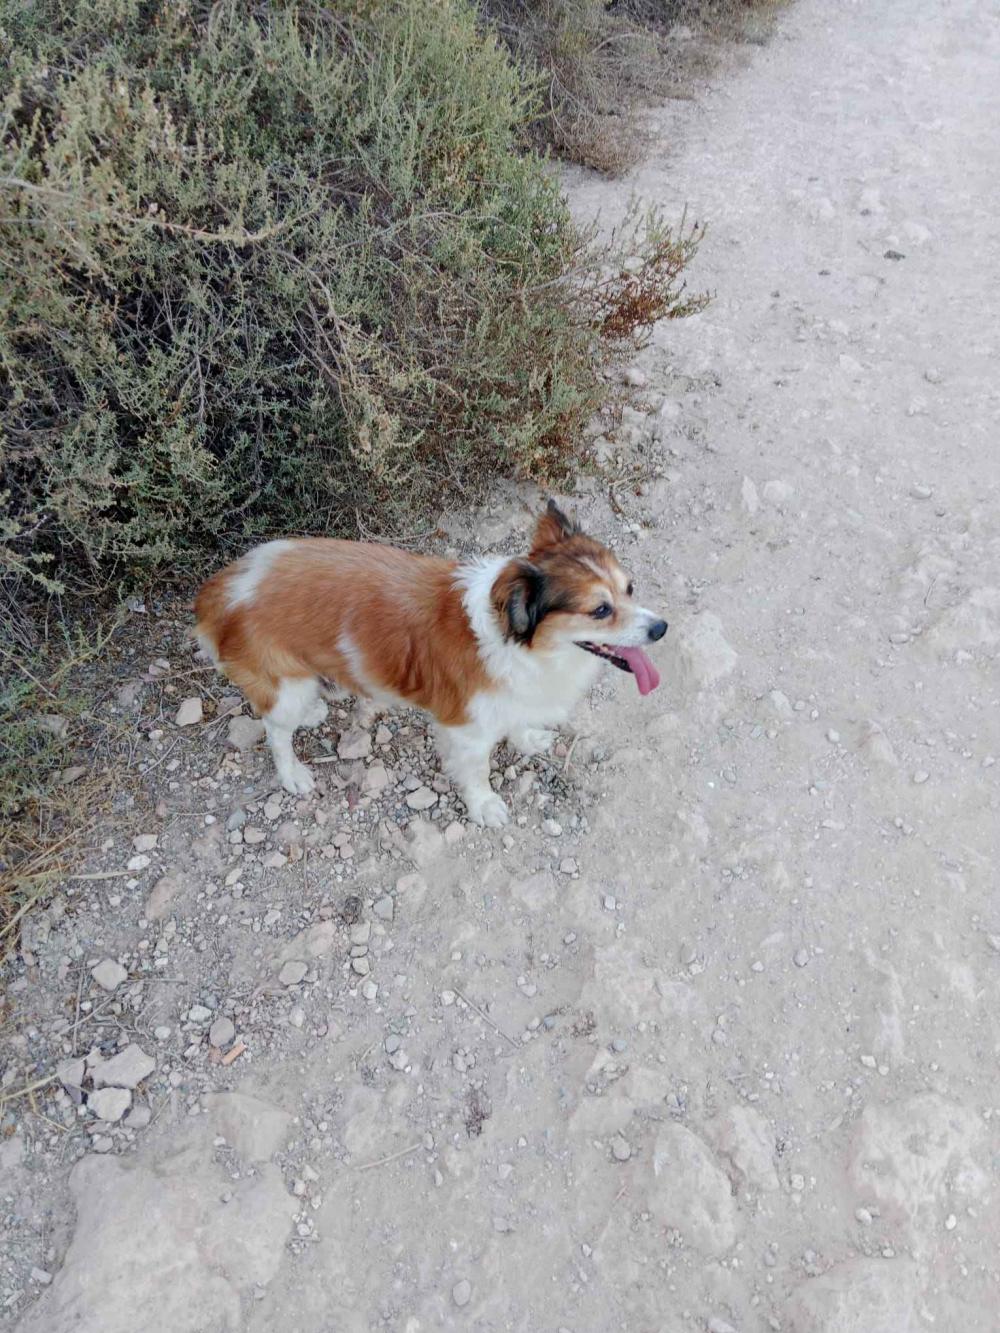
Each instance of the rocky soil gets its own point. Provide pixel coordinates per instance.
(706, 1039)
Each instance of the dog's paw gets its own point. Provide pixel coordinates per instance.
(365, 712)
(316, 715)
(489, 810)
(297, 779)
(533, 740)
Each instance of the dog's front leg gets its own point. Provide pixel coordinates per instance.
(465, 752)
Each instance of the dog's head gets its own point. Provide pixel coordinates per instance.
(571, 591)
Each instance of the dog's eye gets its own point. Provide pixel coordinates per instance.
(602, 612)
(630, 589)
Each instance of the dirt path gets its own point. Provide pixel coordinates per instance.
(707, 1039)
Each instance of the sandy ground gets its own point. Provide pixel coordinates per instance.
(706, 1040)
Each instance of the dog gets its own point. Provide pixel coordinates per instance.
(493, 649)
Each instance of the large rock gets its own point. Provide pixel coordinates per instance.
(703, 652)
(691, 1193)
(906, 1155)
(862, 1296)
(254, 1128)
(156, 1248)
(745, 1140)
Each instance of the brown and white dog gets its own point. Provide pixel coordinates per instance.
(493, 649)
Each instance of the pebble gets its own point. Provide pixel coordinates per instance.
(145, 842)
(950, 1222)
(863, 1216)
(108, 974)
(199, 1013)
(189, 713)
(293, 972)
(920, 777)
(920, 492)
(369, 990)
(461, 1292)
(41, 1276)
(421, 799)
(384, 908)
(392, 1043)
(801, 957)
(253, 836)
(222, 1032)
(717, 1325)
(361, 966)
(621, 1149)
(609, 902)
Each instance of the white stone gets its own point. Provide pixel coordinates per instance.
(189, 713)
(110, 1104)
(354, 744)
(421, 799)
(108, 974)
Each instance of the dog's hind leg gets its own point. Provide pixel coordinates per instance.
(296, 704)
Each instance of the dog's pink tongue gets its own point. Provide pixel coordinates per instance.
(646, 675)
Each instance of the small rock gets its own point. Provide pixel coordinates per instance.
(461, 1292)
(222, 1032)
(801, 957)
(108, 974)
(361, 966)
(376, 779)
(621, 1149)
(243, 733)
(421, 799)
(749, 499)
(199, 1013)
(920, 777)
(717, 1325)
(354, 744)
(145, 842)
(110, 1104)
(920, 492)
(42, 1276)
(127, 1069)
(384, 908)
(293, 972)
(189, 713)
(161, 896)
(778, 492)
(253, 836)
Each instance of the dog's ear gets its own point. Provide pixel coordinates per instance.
(520, 600)
(552, 528)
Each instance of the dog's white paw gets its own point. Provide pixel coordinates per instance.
(316, 715)
(489, 810)
(297, 779)
(533, 740)
(365, 712)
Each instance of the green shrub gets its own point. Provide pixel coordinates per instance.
(275, 269)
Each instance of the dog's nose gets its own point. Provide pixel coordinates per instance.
(657, 630)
